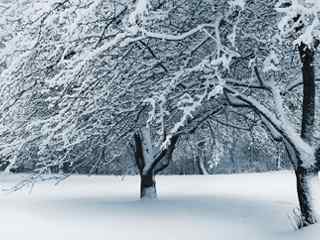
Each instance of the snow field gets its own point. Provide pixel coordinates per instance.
(243, 206)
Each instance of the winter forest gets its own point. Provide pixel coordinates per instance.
(159, 119)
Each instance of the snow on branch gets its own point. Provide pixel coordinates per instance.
(301, 20)
(141, 8)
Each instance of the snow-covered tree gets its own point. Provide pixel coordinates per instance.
(260, 78)
(83, 87)
(80, 76)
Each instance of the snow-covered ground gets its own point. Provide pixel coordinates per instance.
(223, 207)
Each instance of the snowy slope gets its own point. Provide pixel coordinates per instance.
(245, 206)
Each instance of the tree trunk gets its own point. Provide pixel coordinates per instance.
(147, 162)
(147, 181)
(148, 187)
(308, 107)
(201, 165)
(307, 178)
(308, 189)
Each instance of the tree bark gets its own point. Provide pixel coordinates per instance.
(308, 107)
(148, 187)
(307, 184)
(307, 177)
(147, 162)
